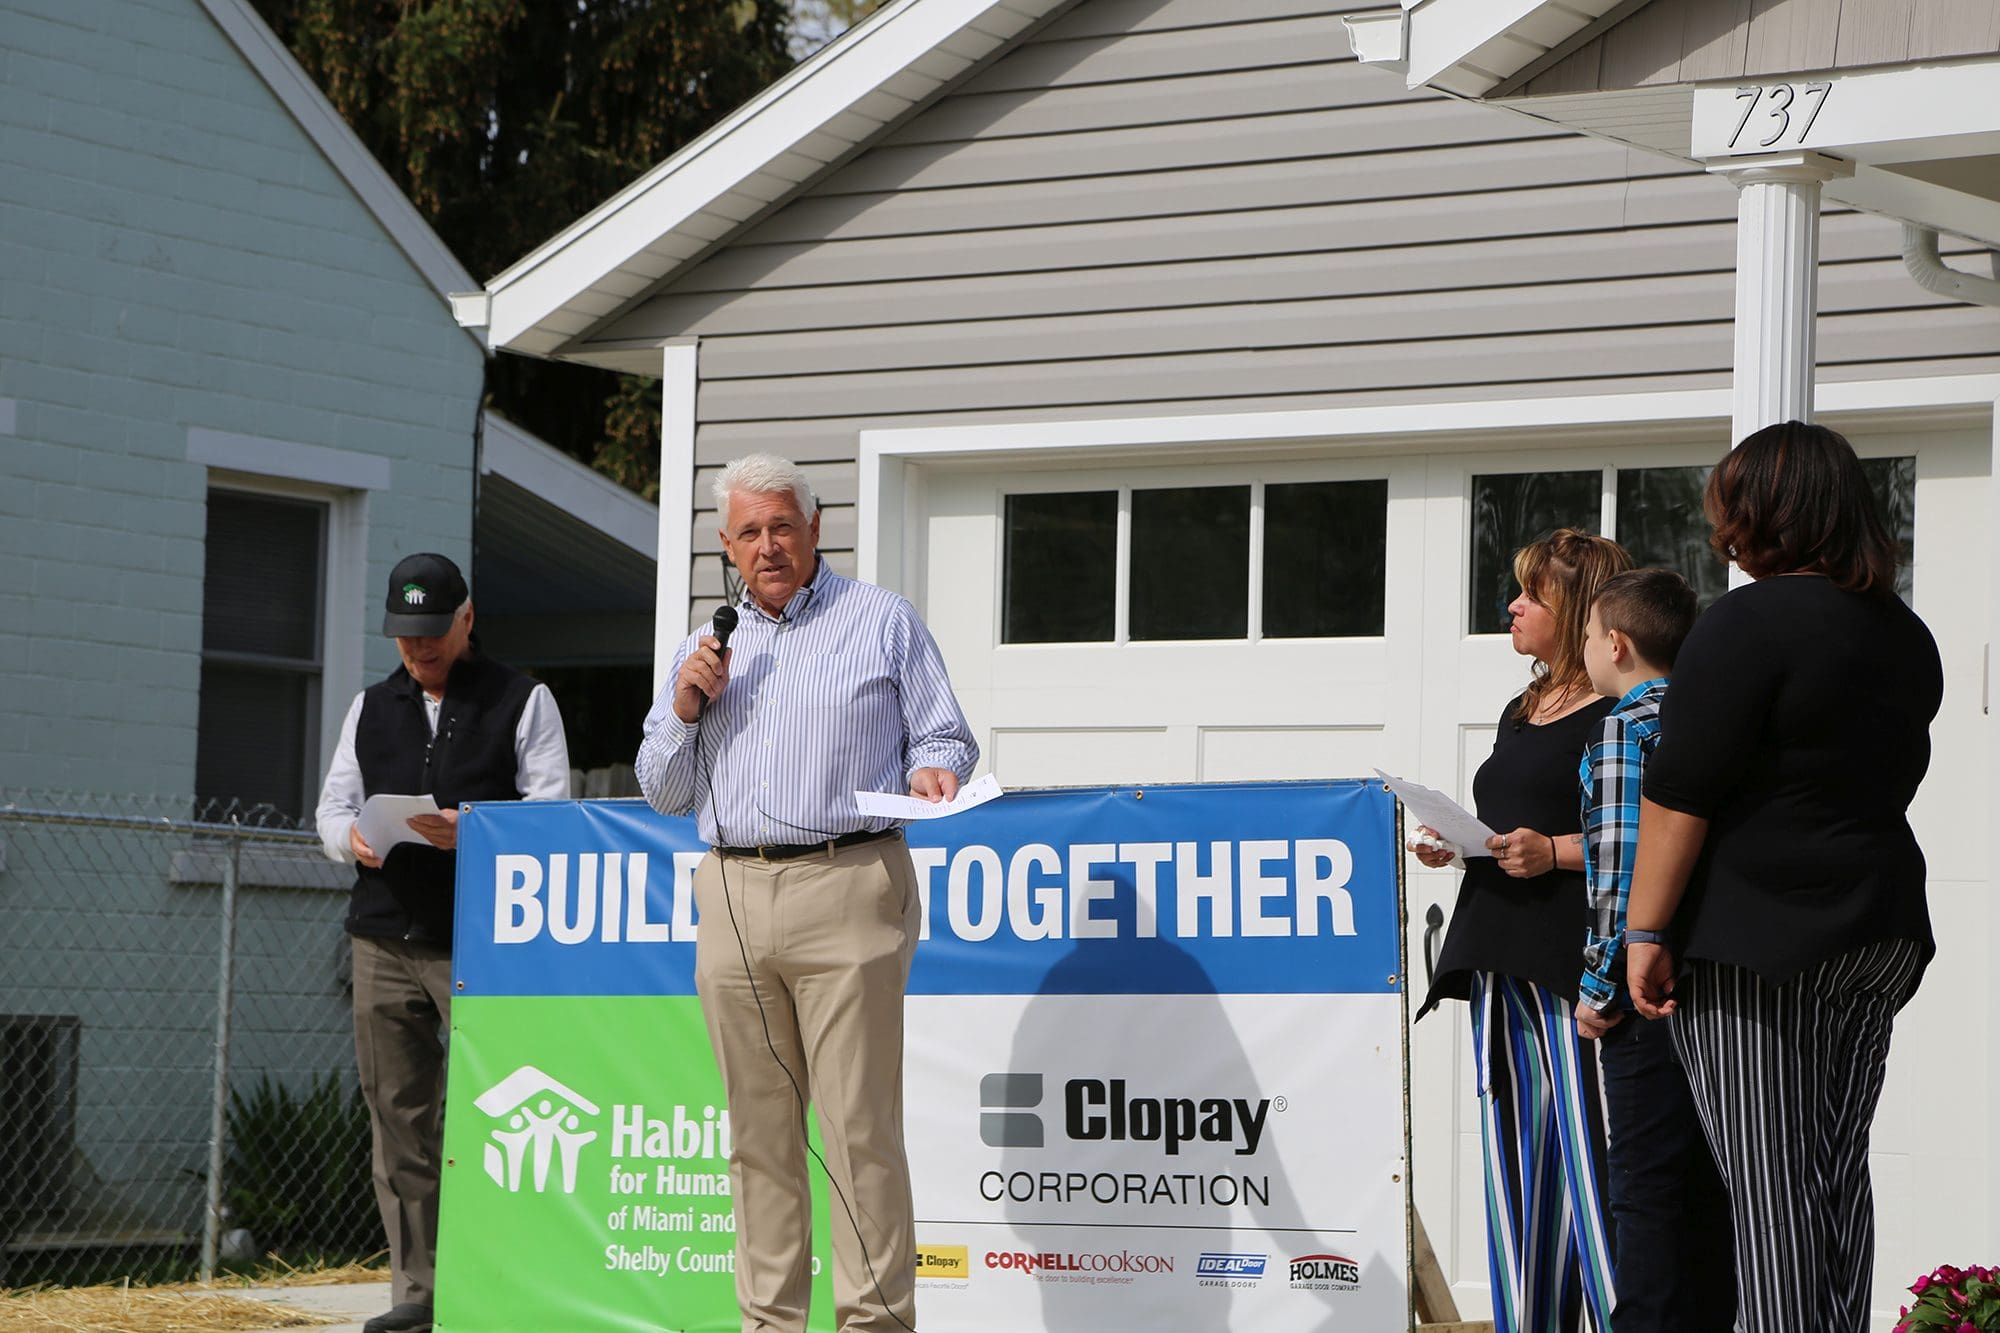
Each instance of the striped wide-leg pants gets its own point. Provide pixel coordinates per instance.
(1542, 1127)
(1785, 1079)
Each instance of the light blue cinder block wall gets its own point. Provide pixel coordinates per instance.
(176, 253)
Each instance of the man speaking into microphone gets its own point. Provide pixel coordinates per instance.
(808, 909)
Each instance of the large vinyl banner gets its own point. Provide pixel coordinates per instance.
(1154, 1073)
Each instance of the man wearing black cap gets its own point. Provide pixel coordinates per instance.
(453, 724)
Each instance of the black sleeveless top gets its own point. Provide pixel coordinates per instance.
(1527, 928)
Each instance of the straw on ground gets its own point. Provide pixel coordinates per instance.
(176, 1308)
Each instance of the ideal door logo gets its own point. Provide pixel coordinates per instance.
(541, 1127)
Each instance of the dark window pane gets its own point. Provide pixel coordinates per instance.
(1191, 563)
(1509, 510)
(1661, 524)
(261, 588)
(251, 747)
(1894, 481)
(1059, 568)
(1325, 547)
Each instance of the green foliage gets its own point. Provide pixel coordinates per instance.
(1956, 1300)
(506, 120)
(298, 1174)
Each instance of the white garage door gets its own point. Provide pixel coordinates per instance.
(1322, 618)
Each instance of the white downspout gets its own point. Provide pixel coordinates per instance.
(1920, 257)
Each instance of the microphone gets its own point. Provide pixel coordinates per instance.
(722, 624)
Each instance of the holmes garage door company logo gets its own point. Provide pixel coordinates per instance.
(540, 1127)
(1324, 1272)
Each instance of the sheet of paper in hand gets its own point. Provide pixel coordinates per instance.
(1431, 807)
(385, 820)
(892, 805)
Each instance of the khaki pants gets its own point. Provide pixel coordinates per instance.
(402, 1010)
(804, 962)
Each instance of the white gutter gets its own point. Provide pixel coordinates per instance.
(1920, 257)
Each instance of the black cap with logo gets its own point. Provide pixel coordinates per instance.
(425, 592)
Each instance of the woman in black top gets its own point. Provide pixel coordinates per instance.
(1775, 859)
(1515, 951)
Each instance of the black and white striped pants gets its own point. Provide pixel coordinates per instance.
(1786, 1079)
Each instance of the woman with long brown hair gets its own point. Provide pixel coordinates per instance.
(1515, 949)
(1776, 862)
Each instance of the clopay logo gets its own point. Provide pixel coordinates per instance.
(540, 1127)
(1095, 1110)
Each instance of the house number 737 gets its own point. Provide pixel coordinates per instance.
(1783, 105)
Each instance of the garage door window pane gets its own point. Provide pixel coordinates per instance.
(1191, 563)
(1060, 568)
(1661, 524)
(1509, 510)
(1895, 483)
(1325, 545)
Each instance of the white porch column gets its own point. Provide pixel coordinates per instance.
(1777, 283)
(674, 574)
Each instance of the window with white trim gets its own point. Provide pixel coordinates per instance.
(262, 651)
(1655, 513)
(1278, 560)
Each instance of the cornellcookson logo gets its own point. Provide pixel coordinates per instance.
(540, 1127)
(1325, 1272)
(1115, 1262)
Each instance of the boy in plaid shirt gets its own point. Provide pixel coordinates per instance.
(1672, 1256)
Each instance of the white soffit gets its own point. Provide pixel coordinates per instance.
(1924, 140)
(342, 147)
(587, 496)
(1471, 47)
(764, 152)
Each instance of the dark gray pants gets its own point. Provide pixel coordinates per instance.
(402, 1013)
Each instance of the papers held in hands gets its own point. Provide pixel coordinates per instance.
(385, 820)
(1431, 807)
(890, 805)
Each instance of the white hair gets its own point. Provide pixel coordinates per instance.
(763, 474)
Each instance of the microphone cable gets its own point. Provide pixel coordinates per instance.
(798, 1094)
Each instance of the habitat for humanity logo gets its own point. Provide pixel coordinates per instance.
(413, 594)
(540, 1126)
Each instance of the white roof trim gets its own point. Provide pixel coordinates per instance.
(1473, 47)
(589, 497)
(755, 158)
(343, 148)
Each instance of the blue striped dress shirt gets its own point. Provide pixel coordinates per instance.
(845, 692)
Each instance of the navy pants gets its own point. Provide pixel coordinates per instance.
(1673, 1261)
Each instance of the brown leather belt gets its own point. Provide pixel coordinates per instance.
(792, 851)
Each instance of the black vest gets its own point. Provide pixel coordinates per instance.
(472, 759)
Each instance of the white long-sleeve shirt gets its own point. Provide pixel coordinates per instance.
(541, 759)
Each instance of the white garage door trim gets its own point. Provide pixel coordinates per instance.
(889, 492)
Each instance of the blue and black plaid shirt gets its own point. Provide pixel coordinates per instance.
(1610, 773)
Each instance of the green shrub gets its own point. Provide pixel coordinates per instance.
(298, 1174)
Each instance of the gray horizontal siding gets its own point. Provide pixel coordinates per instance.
(1684, 41)
(1160, 207)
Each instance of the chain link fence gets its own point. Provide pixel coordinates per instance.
(177, 1084)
